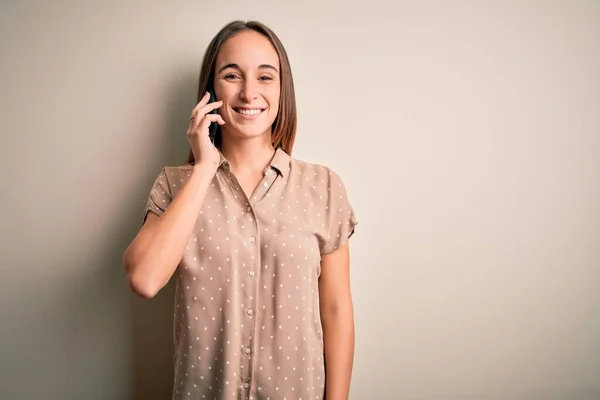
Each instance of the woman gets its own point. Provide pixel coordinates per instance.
(257, 239)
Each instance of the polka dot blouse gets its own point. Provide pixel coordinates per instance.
(247, 322)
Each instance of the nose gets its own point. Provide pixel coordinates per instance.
(249, 91)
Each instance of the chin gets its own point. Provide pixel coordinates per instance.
(251, 131)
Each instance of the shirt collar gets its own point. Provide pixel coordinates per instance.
(280, 162)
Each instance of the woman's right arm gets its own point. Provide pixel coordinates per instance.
(157, 249)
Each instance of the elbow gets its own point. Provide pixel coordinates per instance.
(140, 283)
(141, 287)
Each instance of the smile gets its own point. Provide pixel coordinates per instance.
(248, 111)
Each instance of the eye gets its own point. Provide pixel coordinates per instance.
(266, 78)
(230, 76)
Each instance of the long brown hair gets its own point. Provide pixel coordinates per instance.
(284, 126)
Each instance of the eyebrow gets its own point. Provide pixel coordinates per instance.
(234, 65)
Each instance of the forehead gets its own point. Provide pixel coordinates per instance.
(248, 49)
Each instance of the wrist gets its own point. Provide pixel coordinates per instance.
(206, 170)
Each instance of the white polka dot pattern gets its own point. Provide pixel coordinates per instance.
(247, 322)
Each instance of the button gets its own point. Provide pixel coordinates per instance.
(266, 184)
(247, 350)
(246, 385)
(248, 209)
(252, 239)
(249, 312)
(251, 274)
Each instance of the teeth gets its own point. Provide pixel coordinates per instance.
(250, 112)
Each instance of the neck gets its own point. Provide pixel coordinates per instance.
(248, 156)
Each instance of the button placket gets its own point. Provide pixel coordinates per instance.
(250, 294)
(253, 285)
(263, 187)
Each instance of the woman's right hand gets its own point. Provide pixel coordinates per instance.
(205, 153)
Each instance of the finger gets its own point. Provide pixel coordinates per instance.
(207, 108)
(201, 103)
(201, 109)
(220, 120)
(208, 118)
(197, 121)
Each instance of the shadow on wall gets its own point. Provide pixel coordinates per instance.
(153, 345)
(153, 319)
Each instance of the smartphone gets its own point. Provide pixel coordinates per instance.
(212, 129)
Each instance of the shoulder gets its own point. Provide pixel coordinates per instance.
(169, 176)
(319, 172)
(177, 169)
(175, 172)
(319, 178)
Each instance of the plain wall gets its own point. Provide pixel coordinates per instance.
(468, 135)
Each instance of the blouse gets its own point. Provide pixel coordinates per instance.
(246, 320)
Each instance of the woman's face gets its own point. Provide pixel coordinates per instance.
(247, 81)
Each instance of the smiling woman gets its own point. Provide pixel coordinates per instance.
(257, 240)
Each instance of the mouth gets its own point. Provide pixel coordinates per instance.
(248, 112)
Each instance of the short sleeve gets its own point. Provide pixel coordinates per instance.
(340, 220)
(159, 197)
